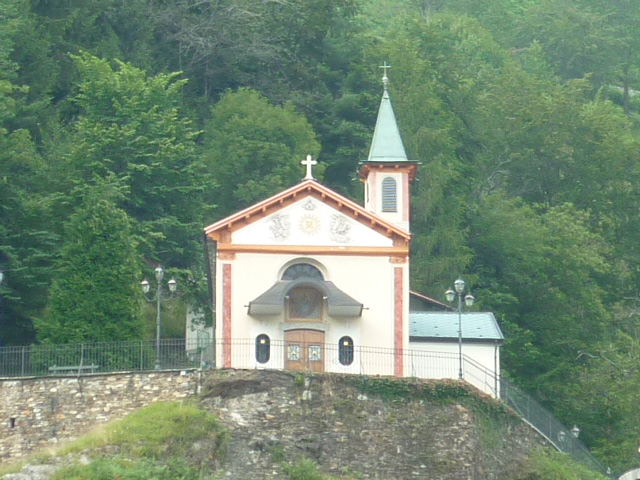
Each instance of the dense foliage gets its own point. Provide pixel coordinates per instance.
(524, 116)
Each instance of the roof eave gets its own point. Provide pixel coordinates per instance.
(307, 187)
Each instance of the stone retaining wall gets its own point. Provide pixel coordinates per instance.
(37, 412)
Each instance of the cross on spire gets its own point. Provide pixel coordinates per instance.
(309, 162)
(385, 78)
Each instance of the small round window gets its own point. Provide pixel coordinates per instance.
(263, 348)
(345, 350)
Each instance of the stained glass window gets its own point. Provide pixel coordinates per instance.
(263, 348)
(345, 350)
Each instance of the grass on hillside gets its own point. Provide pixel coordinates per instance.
(547, 464)
(155, 442)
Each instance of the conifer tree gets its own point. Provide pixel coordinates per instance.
(95, 293)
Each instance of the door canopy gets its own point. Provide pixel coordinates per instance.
(272, 302)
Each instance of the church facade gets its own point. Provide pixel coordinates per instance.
(309, 280)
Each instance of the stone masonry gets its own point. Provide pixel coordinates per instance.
(274, 418)
(40, 412)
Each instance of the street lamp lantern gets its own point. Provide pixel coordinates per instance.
(575, 431)
(458, 291)
(469, 299)
(158, 297)
(450, 294)
(159, 273)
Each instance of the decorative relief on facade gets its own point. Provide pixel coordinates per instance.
(280, 227)
(340, 229)
(309, 205)
(310, 224)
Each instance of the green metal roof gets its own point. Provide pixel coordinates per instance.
(386, 145)
(479, 326)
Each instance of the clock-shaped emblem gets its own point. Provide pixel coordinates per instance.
(310, 224)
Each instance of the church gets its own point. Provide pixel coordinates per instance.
(310, 280)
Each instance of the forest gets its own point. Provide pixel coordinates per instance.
(126, 126)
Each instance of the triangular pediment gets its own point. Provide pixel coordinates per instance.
(307, 214)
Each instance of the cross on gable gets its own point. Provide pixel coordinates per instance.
(309, 162)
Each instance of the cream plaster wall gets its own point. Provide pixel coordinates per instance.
(369, 280)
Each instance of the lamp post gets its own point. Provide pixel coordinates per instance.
(158, 298)
(451, 295)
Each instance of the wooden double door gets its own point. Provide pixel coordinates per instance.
(304, 350)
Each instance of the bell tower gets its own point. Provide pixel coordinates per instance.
(387, 172)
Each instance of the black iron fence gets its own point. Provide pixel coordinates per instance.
(104, 357)
(108, 357)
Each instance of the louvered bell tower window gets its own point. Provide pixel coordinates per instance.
(389, 195)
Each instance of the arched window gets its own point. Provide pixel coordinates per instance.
(345, 351)
(263, 348)
(389, 195)
(302, 270)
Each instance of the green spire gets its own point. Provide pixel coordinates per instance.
(386, 145)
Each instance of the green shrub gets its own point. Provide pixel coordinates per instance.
(305, 469)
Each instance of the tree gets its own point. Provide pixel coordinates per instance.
(131, 125)
(604, 399)
(542, 271)
(95, 294)
(444, 64)
(27, 243)
(254, 149)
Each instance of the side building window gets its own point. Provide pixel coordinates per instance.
(345, 351)
(389, 195)
(263, 348)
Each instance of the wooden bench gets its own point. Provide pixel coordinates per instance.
(74, 369)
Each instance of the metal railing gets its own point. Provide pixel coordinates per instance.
(109, 357)
(87, 358)
(548, 426)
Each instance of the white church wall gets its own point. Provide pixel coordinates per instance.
(374, 198)
(481, 362)
(360, 277)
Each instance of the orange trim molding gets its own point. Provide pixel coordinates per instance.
(398, 333)
(398, 260)
(404, 167)
(396, 252)
(226, 315)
